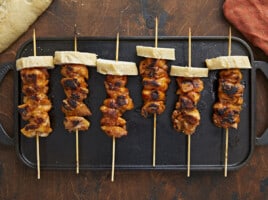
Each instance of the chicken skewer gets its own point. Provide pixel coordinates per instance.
(37, 135)
(153, 70)
(155, 117)
(230, 92)
(186, 117)
(75, 73)
(113, 145)
(226, 129)
(76, 130)
(118, 100)
(36, 104)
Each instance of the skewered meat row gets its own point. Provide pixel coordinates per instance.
(115, 105)
(36, 104)
(118, 100)
(230, 91)
(155, 84)
(75, 75)
(75, 88)
(155, 78)
(186, 117)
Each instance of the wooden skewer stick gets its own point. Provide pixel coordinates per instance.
(156, 33)
(34, 43)
(190, 48)
(226, 151)
(155, 116)
(113, 145)
(37, 135)
(113, 159)
(77, 150)
(75, 38)
(76, 131)
(189, 156)
(230, 42)
(226, 130)
(189, 136)
(37, 156)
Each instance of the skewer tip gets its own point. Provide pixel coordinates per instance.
(34, 42)
(117, 47)
(230, 41)
(156, 32)
(75, 37)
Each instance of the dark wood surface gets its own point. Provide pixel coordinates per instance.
(131, 18)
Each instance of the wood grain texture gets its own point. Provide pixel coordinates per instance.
(131, 18)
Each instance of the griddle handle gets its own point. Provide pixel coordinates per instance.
(4, 137)
(263, 66)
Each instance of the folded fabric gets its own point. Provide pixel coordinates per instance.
(16, 16)
(250, 17)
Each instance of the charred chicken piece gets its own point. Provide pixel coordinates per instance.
(153, 68)
(160, 84)
(110, 112)
(150, 107)
(190, 84)
(153, 95)
(230, 93)
(30, 108)
(116, 121)
(34, 76)
(186, 120)
(226, 115)
(114, 131)
(73, 123)
(122, 103)
(231, 75)
(35, 81)
(75, 88)
(72, 107)
(74, 70)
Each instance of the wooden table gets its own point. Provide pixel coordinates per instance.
(131, 18)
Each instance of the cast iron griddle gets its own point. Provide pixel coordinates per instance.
(135, 150)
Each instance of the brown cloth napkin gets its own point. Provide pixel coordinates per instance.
(250, 17)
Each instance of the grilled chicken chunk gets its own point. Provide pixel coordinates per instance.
(150, 107)
(38, 124)
(153, 95)
(185, 120)
(73, 123)
(72, 107)
(74, 70)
